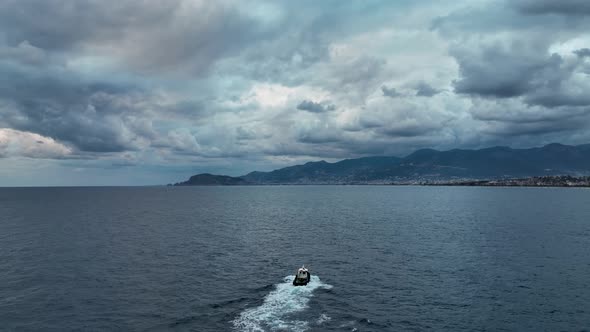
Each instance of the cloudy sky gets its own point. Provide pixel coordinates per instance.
(150, 92)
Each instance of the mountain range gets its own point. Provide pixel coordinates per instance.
(425, 165)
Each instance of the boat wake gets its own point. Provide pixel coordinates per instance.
(278, 305)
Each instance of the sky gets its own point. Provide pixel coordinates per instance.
(135, 92)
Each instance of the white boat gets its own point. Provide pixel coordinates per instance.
(302, 277)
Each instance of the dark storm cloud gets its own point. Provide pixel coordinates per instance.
(390, 92)
(507, 20)
(311, 106)
(495, 72)
(562, 7)
(557, 97)
(409, 130)
(402, 123)
(319, 138)
(508, 54)
(360, 75)
(583, 52)
(423, 89)
(150, 36)
(94, 117)
(509, 113)
(540, 78)
(536, 128)
(63, 25)
(327, 144)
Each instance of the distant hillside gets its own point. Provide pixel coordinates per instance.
(429, 165)
(498, 162)
(206, 179)
(348, 170)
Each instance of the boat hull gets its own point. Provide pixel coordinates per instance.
(301, 282)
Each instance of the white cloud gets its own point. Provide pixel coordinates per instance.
(15, 143)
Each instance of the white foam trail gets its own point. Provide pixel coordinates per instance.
(323, 318)
(285, 300)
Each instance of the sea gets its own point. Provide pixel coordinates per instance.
(382, 258)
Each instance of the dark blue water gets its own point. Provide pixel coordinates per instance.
(218, 258)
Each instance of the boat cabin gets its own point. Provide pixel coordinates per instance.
(302, 277)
